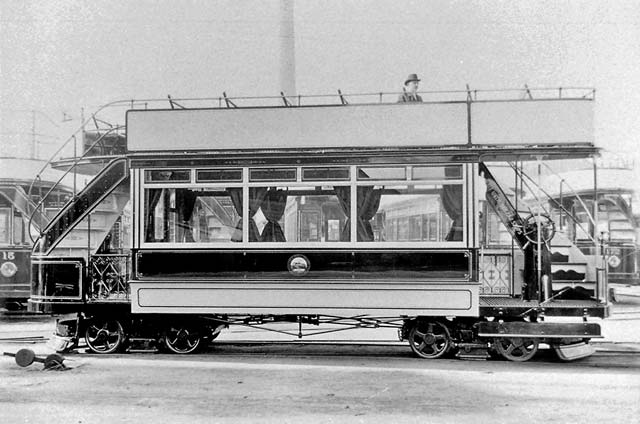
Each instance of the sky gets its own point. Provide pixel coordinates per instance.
(60, 60)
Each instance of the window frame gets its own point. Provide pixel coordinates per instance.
(141, 186)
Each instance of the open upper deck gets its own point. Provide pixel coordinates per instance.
(552, 125)
(460, 126)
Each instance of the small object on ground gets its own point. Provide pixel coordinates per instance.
(26, 357)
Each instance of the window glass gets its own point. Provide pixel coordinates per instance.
(272, 174)
(162, 175)
(495, 233)
(325, 174)
(18, 229)
(193, 216)
(5, 234)
(214, 175)
(405, 214)
(299, 214)
(379, 173)
(435, 173)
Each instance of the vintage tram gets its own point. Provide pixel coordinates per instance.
(22, 215)
(343, 214)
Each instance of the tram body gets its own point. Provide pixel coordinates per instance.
(18, 200)
(363, 214)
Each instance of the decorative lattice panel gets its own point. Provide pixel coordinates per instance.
(495, 274)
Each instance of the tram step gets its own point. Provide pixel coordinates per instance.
(473, 351)
(142, 345)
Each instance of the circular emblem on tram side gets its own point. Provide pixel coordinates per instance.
(8, 269)
(298, 265)
(613, 261)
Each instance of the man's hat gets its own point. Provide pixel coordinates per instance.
(411, 77)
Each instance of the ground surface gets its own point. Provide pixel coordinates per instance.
(257, 377)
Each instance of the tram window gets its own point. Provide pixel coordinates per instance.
(218, 175)
(188, 216)
(325, 174)
(437, 173)
(299, 214)
(406, 213)
(382, 173)
(163, 175)
(5, 229)
(272, 174)
(18, 229)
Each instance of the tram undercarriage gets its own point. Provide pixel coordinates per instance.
(513, 338)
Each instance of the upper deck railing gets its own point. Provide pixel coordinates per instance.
(101, 136)
(110, 117)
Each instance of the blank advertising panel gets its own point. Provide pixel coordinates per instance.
(384, 125)
(526, 122)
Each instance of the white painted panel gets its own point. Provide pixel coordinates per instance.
(428, 299)
(388, 125)
(532, 122)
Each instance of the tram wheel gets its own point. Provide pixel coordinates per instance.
(429, 339)
(104, 335)
(182, 339)
(517, 349)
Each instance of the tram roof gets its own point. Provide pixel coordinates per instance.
(456, 130)
(23, 171)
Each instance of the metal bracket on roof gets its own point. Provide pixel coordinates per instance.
(173, 103)
(227, 101)
(342, 99)
(527, 92)
(287, 103)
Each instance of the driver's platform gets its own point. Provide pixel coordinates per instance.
(509, 306)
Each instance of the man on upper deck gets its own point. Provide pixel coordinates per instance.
(410, 90)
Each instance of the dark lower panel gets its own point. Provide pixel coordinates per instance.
(332, 265)
(57, 278)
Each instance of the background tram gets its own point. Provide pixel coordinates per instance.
(20, 220)
(613, 217)
(355, 215)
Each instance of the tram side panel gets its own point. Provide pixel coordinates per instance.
(337, 283)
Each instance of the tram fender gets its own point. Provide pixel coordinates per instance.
(539, 330)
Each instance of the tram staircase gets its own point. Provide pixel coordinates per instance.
(569, 265)
(82, 225)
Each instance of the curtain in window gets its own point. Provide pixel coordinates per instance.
(273, 208)
(344, 198)
(236, 198)
(451, 197)
(154, 197)
(185, 202)
(256, 198)
(368, 204)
